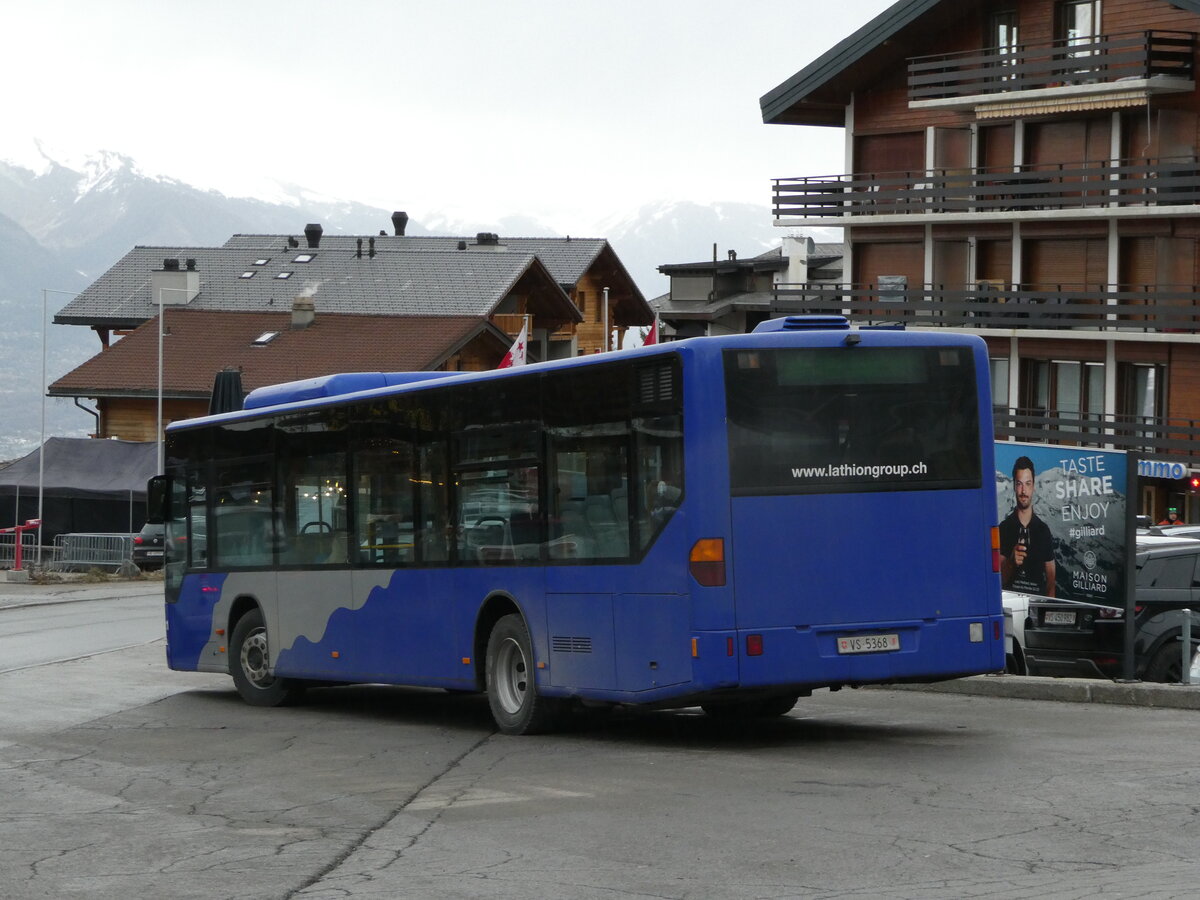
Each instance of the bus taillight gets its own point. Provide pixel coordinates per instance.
(995, 548)
(707, 562)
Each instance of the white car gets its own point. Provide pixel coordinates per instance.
(1016, 608)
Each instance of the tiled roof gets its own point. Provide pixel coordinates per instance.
(566, 258)
(199, 343)
(424, 283)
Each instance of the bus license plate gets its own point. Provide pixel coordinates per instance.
(1058, 617)
(868, 643)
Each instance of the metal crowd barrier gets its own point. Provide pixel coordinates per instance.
(8, 547)
(74, 552)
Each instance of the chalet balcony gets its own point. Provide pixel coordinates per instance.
(1158, 436)
(1126, 68)
(990, 305)
(1141, 186)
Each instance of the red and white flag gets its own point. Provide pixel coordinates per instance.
(652, 334)
(516, 353)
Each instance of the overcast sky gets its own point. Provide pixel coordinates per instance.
(566, 110)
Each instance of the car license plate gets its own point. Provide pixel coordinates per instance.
(1059, 617)
(154, 553)
(868, 643)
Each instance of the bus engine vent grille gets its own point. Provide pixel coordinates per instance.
(656, 384)
(564, 644)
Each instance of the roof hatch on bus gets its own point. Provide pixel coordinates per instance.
(804, 323)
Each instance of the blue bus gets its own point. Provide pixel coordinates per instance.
(724, 522)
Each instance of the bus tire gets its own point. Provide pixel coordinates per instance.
(516, 705)
(249, 665)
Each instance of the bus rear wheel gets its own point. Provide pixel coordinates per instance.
(250, 662)
(512, 691)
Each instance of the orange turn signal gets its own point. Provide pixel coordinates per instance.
(706, 562)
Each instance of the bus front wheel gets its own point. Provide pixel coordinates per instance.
(511, 686)
(250, 665)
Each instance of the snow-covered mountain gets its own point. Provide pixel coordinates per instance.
(63, 224)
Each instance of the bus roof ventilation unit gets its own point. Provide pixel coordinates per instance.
(804, 323)
(332, 386)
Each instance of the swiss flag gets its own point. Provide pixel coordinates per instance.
(652, 334)
(516, 353)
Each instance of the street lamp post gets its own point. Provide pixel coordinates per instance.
(42, 443)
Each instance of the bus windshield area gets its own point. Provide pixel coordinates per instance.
(807, 420)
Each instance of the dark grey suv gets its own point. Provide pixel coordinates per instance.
(1086, 640)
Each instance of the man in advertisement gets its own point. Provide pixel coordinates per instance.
(1026, 545)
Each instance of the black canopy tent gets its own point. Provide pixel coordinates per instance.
(88, 485)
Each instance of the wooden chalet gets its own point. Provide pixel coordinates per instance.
(1027, 170)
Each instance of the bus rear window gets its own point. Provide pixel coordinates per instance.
(808, 420)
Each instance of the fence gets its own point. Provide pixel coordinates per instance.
(8, 548)
(90, 551)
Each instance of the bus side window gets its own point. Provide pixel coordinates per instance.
(589, 515)
(242, 514)
(385, 478)
(433, 531)
(315, 530)
(660, 473)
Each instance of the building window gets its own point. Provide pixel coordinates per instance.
(999, 369)
(582, 298)
(1067, 394)
(1078, 27)
(1002, 38)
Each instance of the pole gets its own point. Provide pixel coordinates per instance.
(606, 320)
(1185, 676)
(42, 445)
(158, 435)
(42, 442)
(1128, 671)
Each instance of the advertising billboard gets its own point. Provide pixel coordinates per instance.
(1062, 521)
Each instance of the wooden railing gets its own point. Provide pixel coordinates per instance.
(1102, 59)
(1157, 308)
(1178, 438)
(1145, 181)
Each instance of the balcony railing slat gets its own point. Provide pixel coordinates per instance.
(1163, 308)
(1105, 58)
(1070, 185)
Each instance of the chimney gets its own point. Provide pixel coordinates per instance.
(371, 247)
(399, 221)
(358, 252)
(796, 249)
(304, 312)
(489, 240)
(312, 234)
(174, 286)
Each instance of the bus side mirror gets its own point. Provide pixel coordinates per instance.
(158, 493)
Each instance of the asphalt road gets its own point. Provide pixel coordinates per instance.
(123, 779)
(83, 620)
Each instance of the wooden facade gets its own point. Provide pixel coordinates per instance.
(1062, 168)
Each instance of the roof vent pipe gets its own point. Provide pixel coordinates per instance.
(191, 265)
(399, 222)
(358, 252)
(371, 247)
(312, 234)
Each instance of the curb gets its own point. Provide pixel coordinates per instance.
(1067, 690)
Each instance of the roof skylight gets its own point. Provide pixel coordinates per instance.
(304, 258)
(283, 276)
(265, 338)
(249, 274)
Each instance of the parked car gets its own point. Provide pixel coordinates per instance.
(1088, 640)
(1016, 609)
(148, 547)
